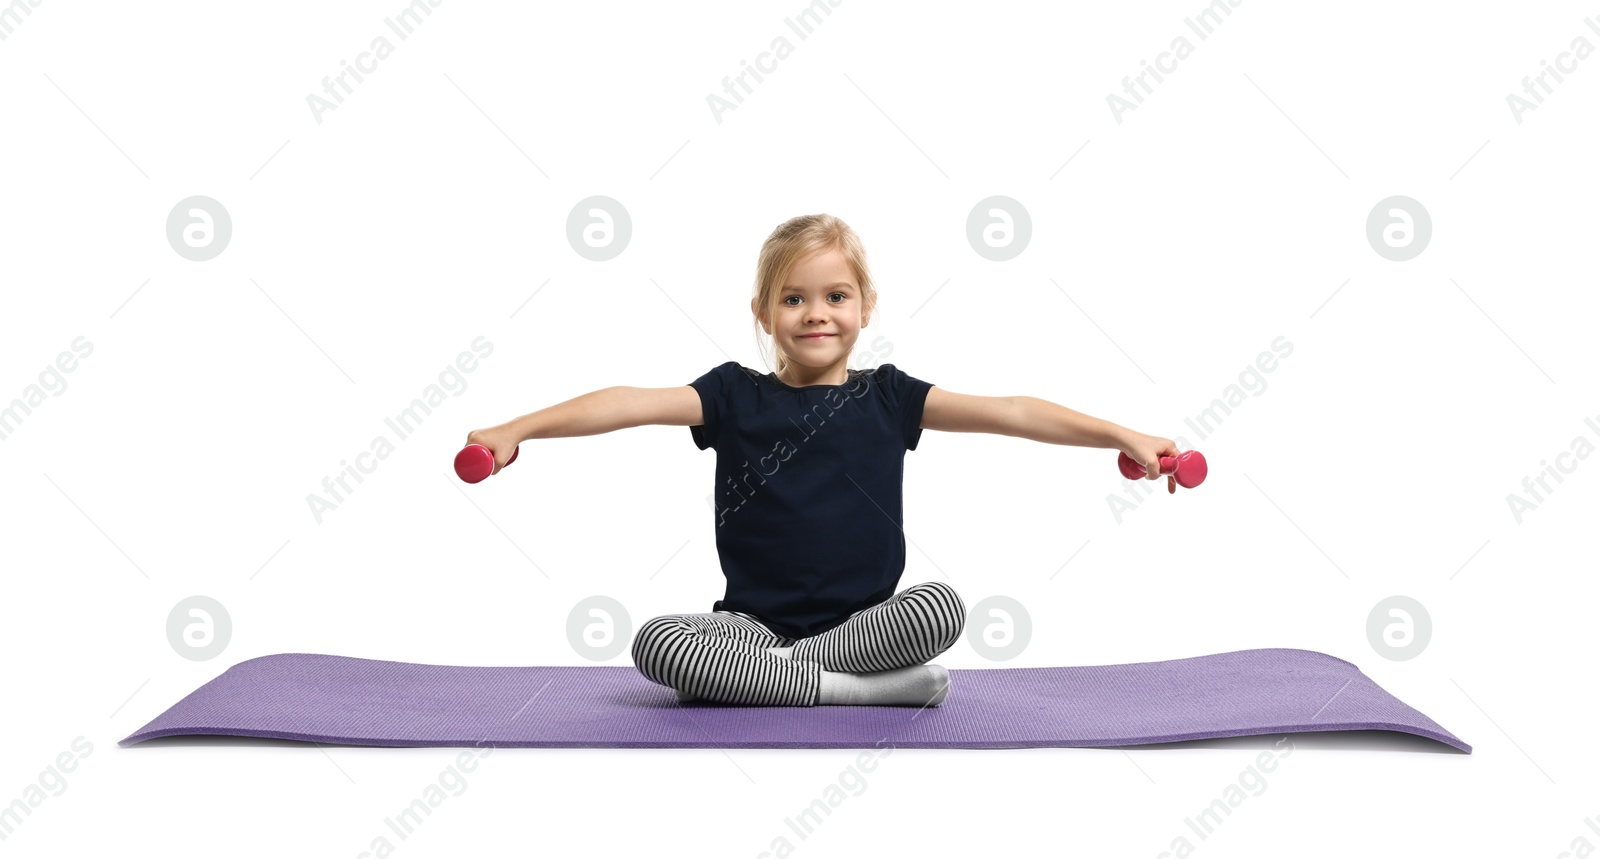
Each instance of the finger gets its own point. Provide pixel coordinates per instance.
(1172, 484)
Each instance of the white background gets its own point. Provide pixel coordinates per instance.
(372, 248)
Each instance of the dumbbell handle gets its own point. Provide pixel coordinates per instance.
(475, 462)
(1187, 468)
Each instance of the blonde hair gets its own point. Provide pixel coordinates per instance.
(793, 241)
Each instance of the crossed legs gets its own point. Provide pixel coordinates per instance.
(875, 657)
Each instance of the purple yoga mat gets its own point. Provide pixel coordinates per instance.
(372, 702)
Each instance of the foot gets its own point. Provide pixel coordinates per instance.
(912, 686)
(941, 678)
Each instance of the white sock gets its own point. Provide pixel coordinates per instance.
(914, 685)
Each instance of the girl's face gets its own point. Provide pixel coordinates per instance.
(821, 296)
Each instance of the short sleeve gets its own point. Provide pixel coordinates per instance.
(714, 388)
(907, 395)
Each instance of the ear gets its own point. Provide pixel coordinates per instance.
(760, 315)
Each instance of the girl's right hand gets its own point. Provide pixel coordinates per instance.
(501, 441)
(1147, 450)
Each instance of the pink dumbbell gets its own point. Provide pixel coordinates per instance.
(475, 462)
(1188, 468)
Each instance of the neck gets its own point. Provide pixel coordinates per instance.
(799, 378)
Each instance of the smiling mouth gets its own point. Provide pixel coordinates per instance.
(814, 336)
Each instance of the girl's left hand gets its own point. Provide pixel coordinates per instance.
(1147, 450)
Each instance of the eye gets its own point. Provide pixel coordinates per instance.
(842, 298)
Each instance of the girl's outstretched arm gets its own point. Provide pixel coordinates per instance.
(1042, 420)
(602, 411)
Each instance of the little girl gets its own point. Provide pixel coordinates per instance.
(808, 506)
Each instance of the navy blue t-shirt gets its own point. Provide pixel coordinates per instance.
(807, 495)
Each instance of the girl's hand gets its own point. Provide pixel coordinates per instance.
(501, 441)
(1147, 450)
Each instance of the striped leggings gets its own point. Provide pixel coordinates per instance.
(722, 655)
